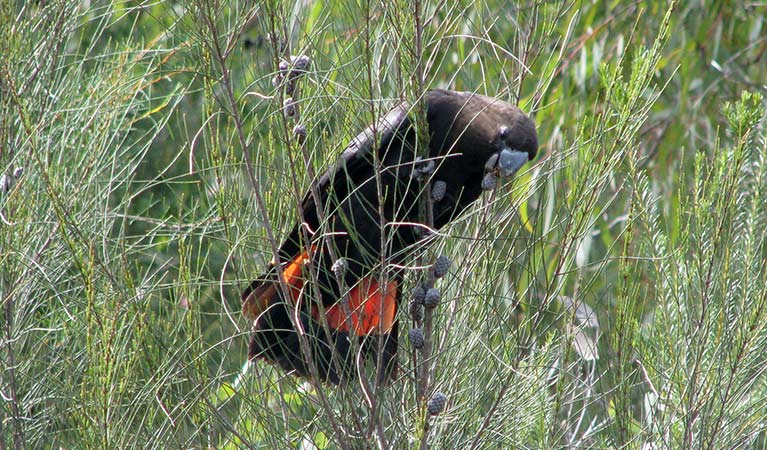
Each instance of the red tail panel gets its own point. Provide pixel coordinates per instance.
(370, 310)
(292, 274)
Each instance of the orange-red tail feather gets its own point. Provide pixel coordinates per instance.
(368, 311)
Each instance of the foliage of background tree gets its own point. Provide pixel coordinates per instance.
(613, 295)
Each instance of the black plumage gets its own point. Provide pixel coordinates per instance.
(470, 135)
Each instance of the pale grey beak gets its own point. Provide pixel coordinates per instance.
(510, 161)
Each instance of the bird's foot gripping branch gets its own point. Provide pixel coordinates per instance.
(378, 180)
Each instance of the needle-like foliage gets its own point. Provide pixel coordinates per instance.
(154, 154)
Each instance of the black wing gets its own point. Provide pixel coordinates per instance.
(354, 167)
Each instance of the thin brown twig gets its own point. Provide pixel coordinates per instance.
(383, 281)
(226, 82)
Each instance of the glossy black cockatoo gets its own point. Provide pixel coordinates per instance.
(368, 223)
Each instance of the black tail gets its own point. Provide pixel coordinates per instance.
(333, 352)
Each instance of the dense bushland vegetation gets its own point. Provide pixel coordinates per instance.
(612, 296)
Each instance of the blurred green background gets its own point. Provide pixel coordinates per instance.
(613, 296)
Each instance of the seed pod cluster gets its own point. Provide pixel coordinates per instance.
(441, 266)
(339, 267)
(416, 311)
(416, 338)
(437, 403)
(438, 190)
(419, 294)
(290, 71)
(422, 169)
(299, 132)
(289, 107)
(432, 298)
